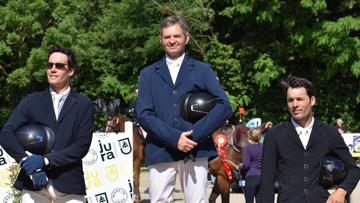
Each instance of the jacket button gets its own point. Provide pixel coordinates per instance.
(306, 153)
(176, 119)
(306, 190)
(306, 179)
(174, 92)
(306, 166)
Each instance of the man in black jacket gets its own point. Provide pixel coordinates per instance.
(294, 149)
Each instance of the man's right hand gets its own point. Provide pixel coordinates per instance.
(32, 163)
(185, 144)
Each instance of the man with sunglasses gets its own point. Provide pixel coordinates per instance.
(57, 175)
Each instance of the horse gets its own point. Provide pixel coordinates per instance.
(115, 122)
(225, 166)
(237, 139)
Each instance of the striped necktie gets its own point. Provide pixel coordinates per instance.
(58, 104)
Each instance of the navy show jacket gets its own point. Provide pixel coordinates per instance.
(73, 135)
(158, 109)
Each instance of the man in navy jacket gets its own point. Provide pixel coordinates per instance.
(294, 149)
(169, 137)
(57, 174)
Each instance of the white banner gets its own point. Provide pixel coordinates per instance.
(5, 188)
(352, 140)
(108, 169)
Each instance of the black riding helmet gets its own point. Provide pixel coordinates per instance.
(196, 105)
(332, 171)
(37, 139)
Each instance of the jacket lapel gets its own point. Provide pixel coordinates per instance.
(315, 133)
(291, 132)
(70, 101)
(48, 105)
(163, 70)
(186, 67)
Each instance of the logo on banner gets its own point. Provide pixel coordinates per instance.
(101, 198)
(4, 179)
(119, 195)
(8, 198)
(125, 145)
(90, 158)
(356, 139)
(112, 173)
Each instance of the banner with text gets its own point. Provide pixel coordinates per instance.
(108, 167)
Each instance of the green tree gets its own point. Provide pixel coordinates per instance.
(251, 45)
(316, 39)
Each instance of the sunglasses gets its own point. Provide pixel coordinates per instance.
(57, 65)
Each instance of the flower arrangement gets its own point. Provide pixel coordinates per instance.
(14, 170)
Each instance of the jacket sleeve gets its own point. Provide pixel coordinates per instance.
(353, 172)
(8, 140)
(218, 114)
(268, 170)
(246, 159)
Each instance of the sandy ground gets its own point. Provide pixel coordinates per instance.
(234, 197)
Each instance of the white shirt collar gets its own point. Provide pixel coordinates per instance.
(174, 66)
(54, 94)
(298, 128)
(175, 61)
(304, 133)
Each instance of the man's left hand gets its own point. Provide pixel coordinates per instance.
(338, 196)
(32, 163)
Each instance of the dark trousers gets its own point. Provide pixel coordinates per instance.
(252, 185)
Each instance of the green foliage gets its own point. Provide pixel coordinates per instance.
(251, 44)
(314, 5)
(228, 69)
(266, 71)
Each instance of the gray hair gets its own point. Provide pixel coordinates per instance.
(172, 20)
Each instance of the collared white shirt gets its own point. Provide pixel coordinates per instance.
(174, 66)
(59, 100)
(304, 133)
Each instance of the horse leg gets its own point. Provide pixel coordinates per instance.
(224, 187)
(221, 187)
(137, 160)
(136, 171)
(214, 193)
(222, 182)
(214, 167)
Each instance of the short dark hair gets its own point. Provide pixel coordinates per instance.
(297, 82)
(172, 20)
(70, 54)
